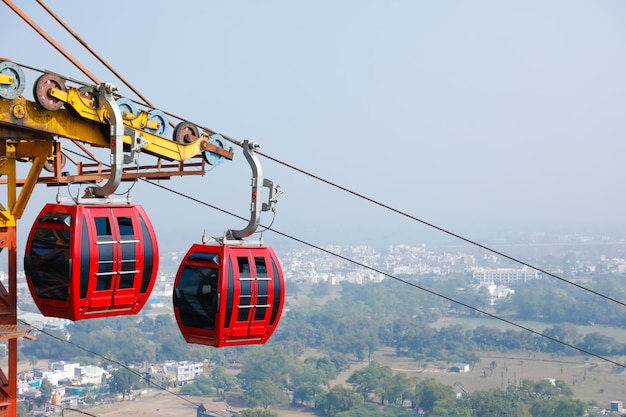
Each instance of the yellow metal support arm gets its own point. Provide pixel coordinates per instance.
(25, 114)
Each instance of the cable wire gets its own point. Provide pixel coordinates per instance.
(329, 252)
(441, 229)
(181, 194)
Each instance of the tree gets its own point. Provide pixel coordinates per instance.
(122, 382)
(428, 392)
(601, 344)
(257, 412)
(561, 407)
(201, 386)
(497, 403)
(223, 381)
(265, 393)
(565, 333)
(22, 409)
(371, 380)
(398, 388)
(374, 410)
(336, 400)
(327, 366)
(45, 389)
(271, 363)
(32, 360)
(450, 407)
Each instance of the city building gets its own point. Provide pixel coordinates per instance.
(505, 275)
(183, 371)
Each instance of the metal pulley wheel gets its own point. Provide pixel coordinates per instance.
(89, 96)
(49, 164)
(159, 117)
(214, 158)
(185, 132)
(41, 91)
(126, 106)
(15, 89)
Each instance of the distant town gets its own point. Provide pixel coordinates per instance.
(570, 256)
(496, 270)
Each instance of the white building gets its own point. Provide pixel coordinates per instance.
(505, 275)
(89, 374)
(184, 371)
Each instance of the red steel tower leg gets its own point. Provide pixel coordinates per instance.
(10, 151)
(9, 328)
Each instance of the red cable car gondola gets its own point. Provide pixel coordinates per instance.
(227, 295)
(231, 293)
(88, 261)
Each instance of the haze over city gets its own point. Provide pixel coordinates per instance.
(481, 118)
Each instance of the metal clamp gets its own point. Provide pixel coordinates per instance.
(257, 206)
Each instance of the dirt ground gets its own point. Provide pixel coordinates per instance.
(163, 404)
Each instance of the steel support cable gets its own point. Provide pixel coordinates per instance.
(329, 252)
(51, 41)
(98, 57)
(76, 345)
(371, 200)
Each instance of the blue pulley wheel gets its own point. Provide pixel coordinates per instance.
(127, 105)
(211, 158)
(161, 118)
(15, 89)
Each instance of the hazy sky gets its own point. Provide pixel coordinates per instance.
(480, 117)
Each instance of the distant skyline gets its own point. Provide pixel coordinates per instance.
(478, 117)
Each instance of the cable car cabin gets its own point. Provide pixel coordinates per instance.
(228, 295)
(88, 261)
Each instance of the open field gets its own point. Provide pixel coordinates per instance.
(617, 333)
(591, 380)
(162, 404)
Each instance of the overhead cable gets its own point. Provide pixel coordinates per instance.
(118, 363)
(441, 229)
(363, 265)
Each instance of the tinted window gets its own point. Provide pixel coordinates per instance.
(148, 257)
(128, 254)
(48, 262)
(261, 268)
(126, 226)
(244, 266)
(278, 289)
(262, 288)
(103, 226)
(197, 297)
(105, 253)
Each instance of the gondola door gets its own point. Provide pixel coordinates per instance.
(250, 314)
(115, 264)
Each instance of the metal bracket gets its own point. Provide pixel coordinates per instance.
(138, 143)
(116, 123)
(257, 206)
